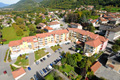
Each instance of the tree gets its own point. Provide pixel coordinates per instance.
(83, 19)
(19, 21)
(23, 27)
(38, 20)
(19, 32)
(115, 48)
(32, 28)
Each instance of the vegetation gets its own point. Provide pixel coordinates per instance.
(6, 55)
(13, 68)
(56, 47)
(40, 53)
(53, 76)
(116, 46)
(9, 57)
(22, 61)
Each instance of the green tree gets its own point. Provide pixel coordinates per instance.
(115, 48)
(19, 21)
(32, 28)
(19, 32)
(83, 19)
(23, 27)
(38, 20)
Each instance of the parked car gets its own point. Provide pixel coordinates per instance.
(41, 72)
(47, 69)
(49, 66)
(44, 70)
(44, 58)
(35, 77)
(48, 56)
(29, 68)
(37, 62)
(5, 72)
(41, 60)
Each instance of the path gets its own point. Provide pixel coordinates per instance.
(16, 66)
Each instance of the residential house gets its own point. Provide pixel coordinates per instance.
(48, 29)
(75, 25)
(114, 63)
(17, 74)
(103, 20)
(90, 7)
(54, 24)
(95, 22)
(41, 26)
(113, 33)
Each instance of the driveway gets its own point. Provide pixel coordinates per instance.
(107, 73)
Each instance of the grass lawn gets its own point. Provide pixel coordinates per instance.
(6, 55)
(40, 53)
(94, 17)
(10, 34)
(9, 57)
(21, 61)
(66, 68)
(49, 77)
(13, 68)
(56, 47)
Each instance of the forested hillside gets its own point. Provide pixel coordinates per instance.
(65, 4)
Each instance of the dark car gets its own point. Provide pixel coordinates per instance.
(41, 60)
(35, 77)
(41, 72)
(48, 56)
(44, 58)
(47, 69)
(44, 70)
(51, 64)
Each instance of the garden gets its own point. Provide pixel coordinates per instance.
(40, 53)
(56, 47)
(22, 61)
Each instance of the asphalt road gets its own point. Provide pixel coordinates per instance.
(4, 66)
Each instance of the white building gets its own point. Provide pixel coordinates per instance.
(54, 24)
(75, 25)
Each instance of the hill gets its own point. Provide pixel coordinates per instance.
(66, 4)
(3, 5)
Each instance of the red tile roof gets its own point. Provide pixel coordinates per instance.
(54, 23)
(48, 28)
(28, 39)
(94, 43)
(15, 43)
(96, 66)
(18, 72)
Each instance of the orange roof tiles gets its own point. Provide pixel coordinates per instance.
(54, 23)
(18, 72)
(94, 43)
(48, 28)
(28, 39)
(15, 43)
(96, 66)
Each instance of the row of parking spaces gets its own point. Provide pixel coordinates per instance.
(44, 71)
(43, 59)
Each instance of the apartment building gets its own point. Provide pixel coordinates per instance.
(93, 43)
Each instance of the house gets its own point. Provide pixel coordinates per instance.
(95, 22)
(41, 26)
(114, 63)
(48, 29)
(92, 43)
(90, 7)
(17, 74)
(103, 20)
(95, 66)
(75, 25)
(54, 24)
(113, 33)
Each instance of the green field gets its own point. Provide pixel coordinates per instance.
(10, 34)
(21, 61)
(40, 53)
